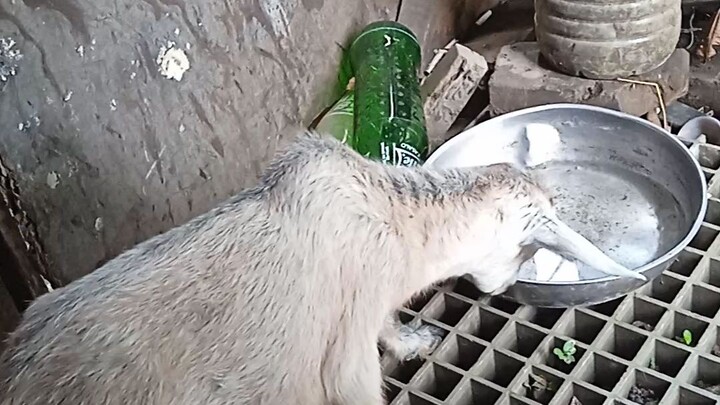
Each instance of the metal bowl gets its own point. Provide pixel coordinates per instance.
(628, 186)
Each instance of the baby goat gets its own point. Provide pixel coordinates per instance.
(279, 295)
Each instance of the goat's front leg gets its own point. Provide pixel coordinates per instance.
(409, 341)
(352, 374)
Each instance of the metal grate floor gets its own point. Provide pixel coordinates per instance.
(493, 347)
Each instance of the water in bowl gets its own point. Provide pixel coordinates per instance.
(629, 216)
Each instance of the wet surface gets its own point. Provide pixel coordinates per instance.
(628, 216)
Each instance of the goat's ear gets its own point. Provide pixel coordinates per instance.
(556, 236)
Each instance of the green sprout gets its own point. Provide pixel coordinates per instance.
(567, 352)
(687, 337)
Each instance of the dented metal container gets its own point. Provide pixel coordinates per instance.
(628, 186)
(607, 39)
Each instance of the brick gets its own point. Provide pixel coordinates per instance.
(448, 88)
(520, 81)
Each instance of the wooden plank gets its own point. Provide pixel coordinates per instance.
(107, 152)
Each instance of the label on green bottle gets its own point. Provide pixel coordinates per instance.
(402, 154)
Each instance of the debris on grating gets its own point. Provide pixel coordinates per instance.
(425, 338)
(715, 350)
(538, 388)
(643, 325)
(714, 388)
(643, 396)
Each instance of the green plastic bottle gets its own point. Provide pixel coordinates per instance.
(339, 120)
(389, 119)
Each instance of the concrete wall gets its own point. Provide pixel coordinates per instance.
(99, 151)
(9, 316)
(106, 152)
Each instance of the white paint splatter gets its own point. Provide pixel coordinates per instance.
(53, 180)
(9, 59)
(27, 125)
(172, 62)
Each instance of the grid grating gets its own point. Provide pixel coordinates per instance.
(498, 352)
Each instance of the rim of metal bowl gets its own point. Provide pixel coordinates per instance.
(642, 269)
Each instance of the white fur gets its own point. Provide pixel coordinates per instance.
(279, 295)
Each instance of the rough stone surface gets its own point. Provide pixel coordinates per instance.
(704, 84)
(448, 88)
(107, 152)
(521, 81)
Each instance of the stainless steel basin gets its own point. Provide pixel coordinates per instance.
(625, 184)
